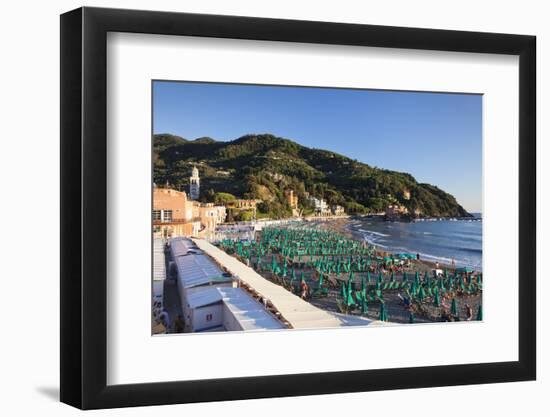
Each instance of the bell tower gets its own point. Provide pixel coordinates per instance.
(194, 184)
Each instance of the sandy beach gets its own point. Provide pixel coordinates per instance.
(425, 311)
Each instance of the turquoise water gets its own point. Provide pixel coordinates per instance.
(439, 241)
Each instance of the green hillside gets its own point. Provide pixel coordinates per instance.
(264, 166)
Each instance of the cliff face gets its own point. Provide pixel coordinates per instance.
(265, 166)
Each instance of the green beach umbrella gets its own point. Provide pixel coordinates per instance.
(437, 301)
(364, 306)
(421, 293)
(479, 314)
(411, 318)
(343, 291)
(454, 309)
(302, 277)
(350, 302)
(383, 314)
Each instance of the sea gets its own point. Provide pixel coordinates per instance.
(436, 240)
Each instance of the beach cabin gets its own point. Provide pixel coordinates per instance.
(204, 310)
(227, 309)
(159, 271)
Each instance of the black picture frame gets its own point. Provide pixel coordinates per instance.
(84, 207)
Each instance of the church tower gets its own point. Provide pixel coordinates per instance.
(194, 184)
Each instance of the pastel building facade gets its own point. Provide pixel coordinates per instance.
(176, 215)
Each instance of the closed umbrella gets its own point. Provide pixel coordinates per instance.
(411, 318)
(454, 309)
(343, 291)
(437, 301)
(364, 306)
(383, 314)
(421, 293)
(349, 300)
(479, 314)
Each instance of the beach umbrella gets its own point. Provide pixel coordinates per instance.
(364, 306)
(383, 314)
(479, 314)
(380, 277)
(421, 293)
(320, 280)
(416, 278)
(302, 277)
(454, 309)
(411, 318)
(404, 276)
(437, 301)
(343, 291)
(368, 277)
(349, 300)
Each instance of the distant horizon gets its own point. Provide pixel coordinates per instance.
(435, 137)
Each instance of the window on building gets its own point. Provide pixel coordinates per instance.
(156, 215)
(209, 317)
(167, 215)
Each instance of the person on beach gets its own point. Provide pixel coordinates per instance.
(179, 324)
(305, 289)
(165, 319)
(469, 312)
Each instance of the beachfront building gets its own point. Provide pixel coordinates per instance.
(159, 271)
(292, 200)
(175, 215)
(338, 210)
(321, 207)
(395, 212)
(194, 184)
(209, 298)
(211, 216)
(406, 194)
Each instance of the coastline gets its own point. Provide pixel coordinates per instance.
(343, 226)
(429, 311)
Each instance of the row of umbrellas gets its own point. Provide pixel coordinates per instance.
(348, 261)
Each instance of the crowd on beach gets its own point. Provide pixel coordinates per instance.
(338, 273)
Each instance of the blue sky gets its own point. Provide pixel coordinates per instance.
(435, 137)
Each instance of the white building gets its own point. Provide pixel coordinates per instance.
(194, 184)
(321, 207)
(227, 309)
(159, 271)
(338, 210)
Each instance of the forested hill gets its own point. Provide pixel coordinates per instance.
(265, 166)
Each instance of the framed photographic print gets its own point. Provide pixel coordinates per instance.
(257, 208)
